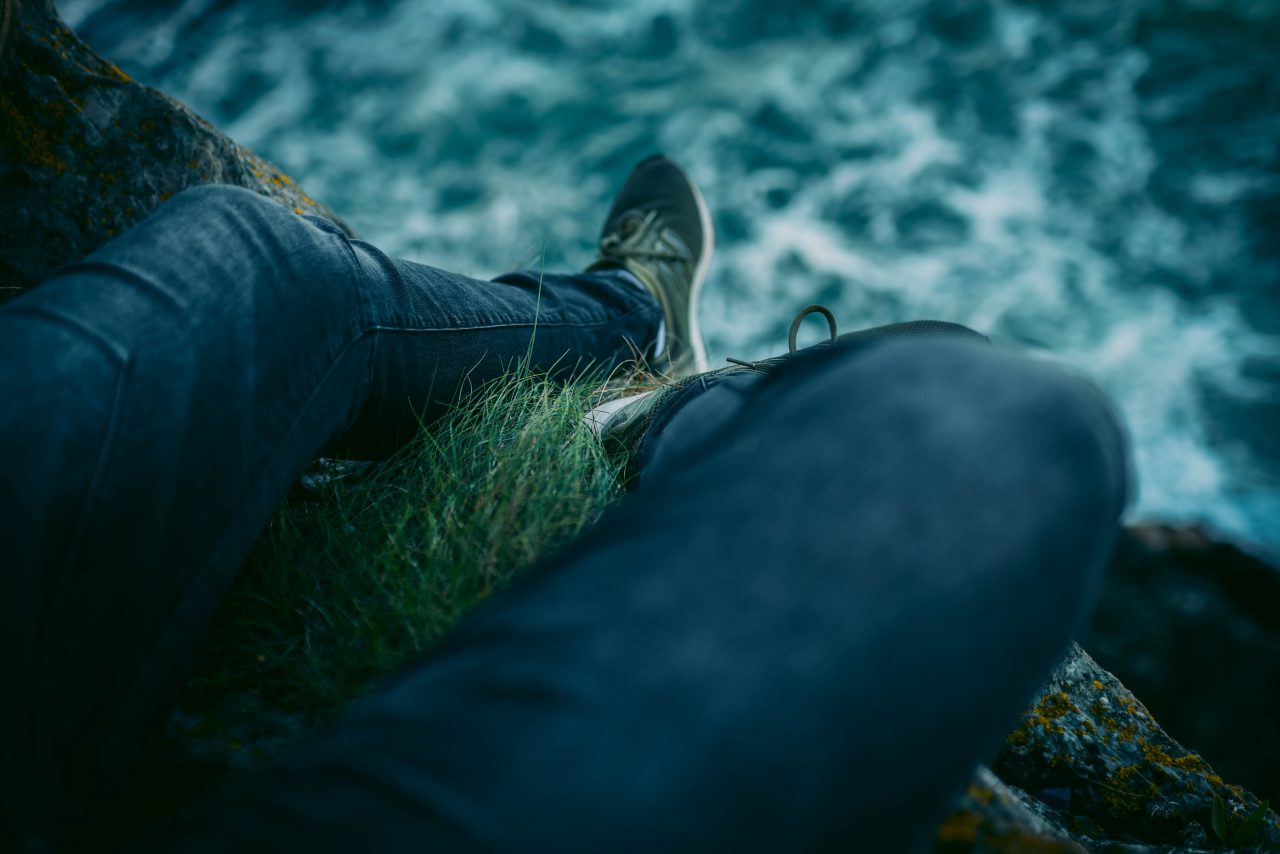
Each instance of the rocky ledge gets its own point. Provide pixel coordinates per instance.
(1088, 768)
(86, 151)
(1193, 622)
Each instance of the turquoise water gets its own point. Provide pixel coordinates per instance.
(1098, 182)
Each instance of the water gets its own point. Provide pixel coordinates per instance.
(1098, 182)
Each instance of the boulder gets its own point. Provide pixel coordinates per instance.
(1194, 620)
(992, 817)
(1091, 750)
(1191, 624)
(86, 151)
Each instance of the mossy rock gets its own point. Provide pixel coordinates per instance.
(86, 151)
(1089, 739)
(992, 817)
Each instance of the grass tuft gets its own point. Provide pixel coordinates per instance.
(373, 567)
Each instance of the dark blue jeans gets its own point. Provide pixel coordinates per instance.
(833, 589)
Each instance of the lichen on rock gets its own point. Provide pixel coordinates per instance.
(1190, 623)
(86, 151)
(992, 817)
(1123, 776)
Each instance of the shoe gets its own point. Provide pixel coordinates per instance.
(910, 329)
(624, 424)
(621, 424)
(659, 230)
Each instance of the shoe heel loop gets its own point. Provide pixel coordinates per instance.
(805, 312)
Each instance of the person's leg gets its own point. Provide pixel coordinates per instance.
(160, 397)
(801, 632)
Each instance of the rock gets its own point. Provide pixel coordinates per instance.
(86, 152)
(1090, 746)
(992, 817)
(1193, 622)
(1192, 625)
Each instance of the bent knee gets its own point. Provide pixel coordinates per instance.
(1044, 409)
(947, 398)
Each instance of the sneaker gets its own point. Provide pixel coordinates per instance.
(624, 424)
(910, 329)
(659, 230)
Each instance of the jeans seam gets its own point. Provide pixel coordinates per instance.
(122, 363)
(356, 270)
(105, 454)
(384, 262)
(564, 324)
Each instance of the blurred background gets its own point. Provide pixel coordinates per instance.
(1097, 181)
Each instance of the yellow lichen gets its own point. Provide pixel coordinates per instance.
(114, 71)
(1158, 756)
(1123, 732)
(960, 827)
(32, 134)
(1046, 713)
(981, 794)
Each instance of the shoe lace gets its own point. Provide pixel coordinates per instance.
(632, 240)
(814, 308)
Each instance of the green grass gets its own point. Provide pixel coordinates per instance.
(352, 581)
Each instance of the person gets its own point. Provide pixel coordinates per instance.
(839, 576)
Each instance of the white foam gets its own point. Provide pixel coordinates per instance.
(1066, 263)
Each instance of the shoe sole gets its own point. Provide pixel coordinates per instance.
(699, 274)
